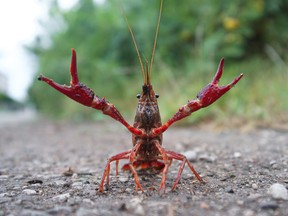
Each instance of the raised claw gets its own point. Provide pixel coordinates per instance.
(208, 95)
(73, 69)
(212, 91)
(79, 92)
(85, 96)
(76, 91)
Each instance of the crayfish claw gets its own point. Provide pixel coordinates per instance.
(43, 78)
(236, 80)
(76, 91)
(73, 69)
(40, 77)
(219, 72)
(212, 92)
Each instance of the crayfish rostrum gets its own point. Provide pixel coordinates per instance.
(147, 130)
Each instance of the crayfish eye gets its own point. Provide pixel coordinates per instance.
(157, 95)
(138, 96)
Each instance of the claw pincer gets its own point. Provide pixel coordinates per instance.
(210, 93)
(79, 92)
(76, 91)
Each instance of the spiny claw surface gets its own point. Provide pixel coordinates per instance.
(76, 91)
(208, 95)
(85, 96)
(213, 91)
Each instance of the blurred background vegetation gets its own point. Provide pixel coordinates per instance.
(193, 36)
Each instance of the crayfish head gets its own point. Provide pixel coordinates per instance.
(147, 113)
(147, 94)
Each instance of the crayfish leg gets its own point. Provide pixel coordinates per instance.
(173, 155)
(106, 174)
(166, 166)
(136, 178)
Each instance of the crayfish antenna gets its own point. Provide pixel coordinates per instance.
(146, 77)
(134, 40)
(147, 74)
(156, 36)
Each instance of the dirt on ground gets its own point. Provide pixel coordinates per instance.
(55, 168)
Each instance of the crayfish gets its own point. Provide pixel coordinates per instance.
(147, 130)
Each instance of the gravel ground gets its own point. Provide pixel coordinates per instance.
(49, 168)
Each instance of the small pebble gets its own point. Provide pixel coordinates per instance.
(68, 172)
(77, 185)
(253, 197)
(122, 207)
(191, 155)
(4, 200)
(272, 162)
(35, 181)
(237, 155)
(207, 157)
(204, 205)
(29, 192)
(61, 197)
(74, 176)
(134, 205)
(60, 182)
(240, 202)
(128, 190)
(139, 210)
(88, 201)
(123, 178)
(278, 191)
(3, 194)
(4, 177)
(230, 190)
(249, 212)
(254, 186)
(134, 202)
(269, 205)
(86, 211)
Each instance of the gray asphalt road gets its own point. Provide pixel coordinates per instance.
(49, 168)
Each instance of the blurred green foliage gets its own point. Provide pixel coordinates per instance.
(193, 36)
(7, 103)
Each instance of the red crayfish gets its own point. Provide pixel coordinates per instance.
(147, 130)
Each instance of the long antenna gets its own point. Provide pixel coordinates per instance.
(155, 39)
(134, 41)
